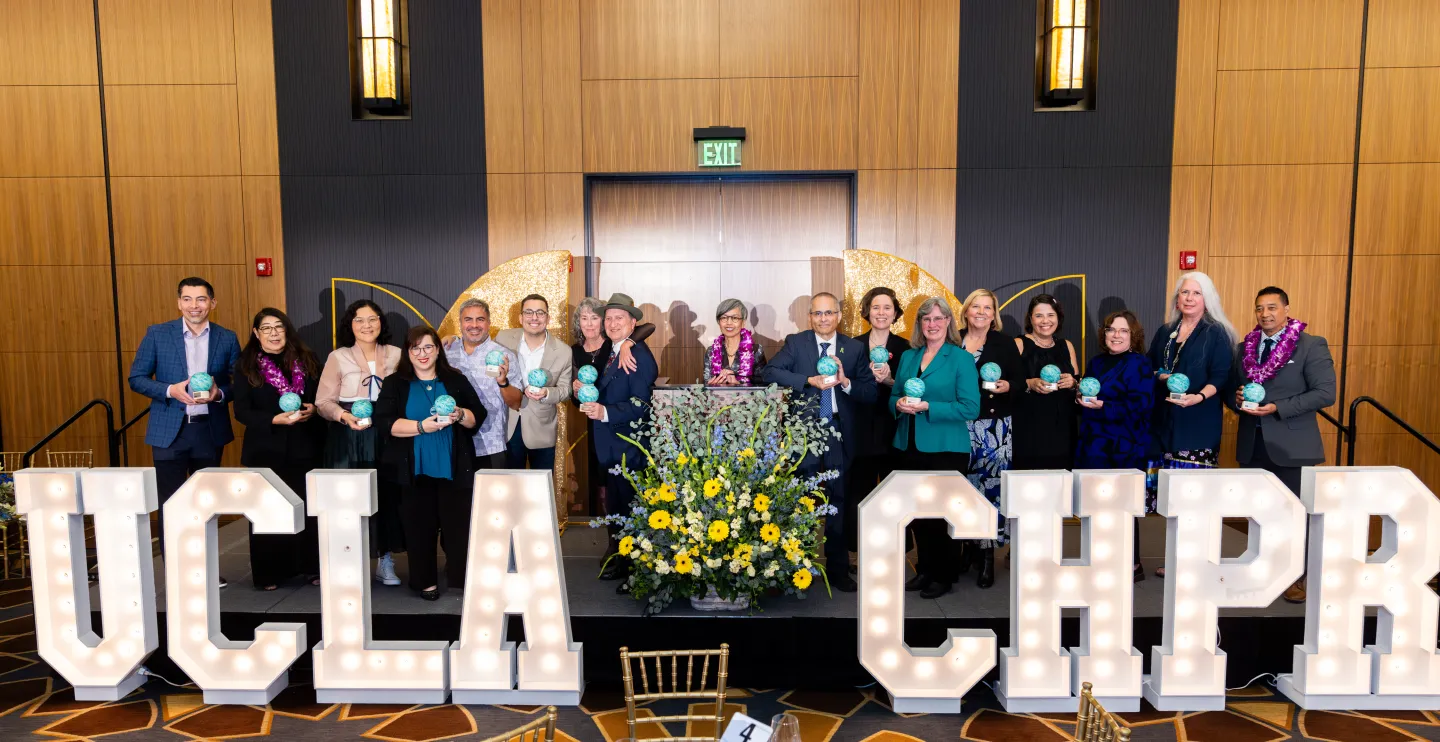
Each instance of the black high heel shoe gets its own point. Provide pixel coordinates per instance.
(432, 594)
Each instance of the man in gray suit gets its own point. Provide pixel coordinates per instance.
(1282, 433)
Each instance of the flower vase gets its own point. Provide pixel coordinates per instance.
(713, 602)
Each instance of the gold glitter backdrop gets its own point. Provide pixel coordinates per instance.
(866, 269)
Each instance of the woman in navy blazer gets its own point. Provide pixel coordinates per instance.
(932, 434)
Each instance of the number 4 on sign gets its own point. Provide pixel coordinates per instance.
(745, 729)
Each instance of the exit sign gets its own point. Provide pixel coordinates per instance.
(719, 152)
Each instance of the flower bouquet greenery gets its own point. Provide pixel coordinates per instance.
(720, 502)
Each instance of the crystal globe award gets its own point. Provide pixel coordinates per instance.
(989, 375)
(1254, 394)
(827, 367)
(588, 394)
(879, 356)
(290, 402)
(1179, 386)
(1050, 375)
(1089, 388)
(361, 411)
(442, 408)
(201, 385)
(493, 360)
(587, 374)
(536, 380)
(914, 390)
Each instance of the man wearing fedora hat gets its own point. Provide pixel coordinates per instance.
(615, 411)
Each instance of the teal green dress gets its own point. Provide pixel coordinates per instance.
(432, 450)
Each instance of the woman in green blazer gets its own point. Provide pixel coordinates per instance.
(932, 434)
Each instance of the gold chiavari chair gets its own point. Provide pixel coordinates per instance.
(695, 686)
(1094, 723)
(70, 459)
(11, 461)
(541, 729)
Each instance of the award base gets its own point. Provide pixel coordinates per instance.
(1051, 387)
(910, 400)
(1088, 399)
(828, 380)
(1248, 405)
(1177, 396)
(363, 422)
(295, 415)
(201, 397)
(492, 371)
(989, 386)
(534, 390)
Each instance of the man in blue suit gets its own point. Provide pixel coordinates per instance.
(615, 411)
(186, 434)
(836, 400)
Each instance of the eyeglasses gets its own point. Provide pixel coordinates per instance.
(532, 313)
(422, 350)
(731, 318)
(271, 329)
(372, 320)
(826, 314)
(1117, 331)
(942, 319)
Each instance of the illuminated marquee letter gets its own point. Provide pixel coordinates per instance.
(349, 666)
(227, 671)
(926, 679)
(1401, 670)
(1038, 675)
(1187, 670)
(121, 501)
(515, 569)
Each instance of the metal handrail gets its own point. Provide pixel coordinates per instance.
(1407, 427)
(111, 442)
(120, 436)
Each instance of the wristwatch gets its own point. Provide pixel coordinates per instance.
(502, 382)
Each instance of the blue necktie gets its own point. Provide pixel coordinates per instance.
(1265, 351)
(827, 396)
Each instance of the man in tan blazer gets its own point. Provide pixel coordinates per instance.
(530, 427)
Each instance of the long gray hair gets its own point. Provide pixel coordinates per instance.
(1214, 309)
(953, 336)
(592, 304)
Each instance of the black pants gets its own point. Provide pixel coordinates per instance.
(866, 472)
(431, 506)
(520, 456)
(1260, 458)
(619, 494)
(837, 556)
(490, 461)
(190, 452)
(938, 554)
(275, 557)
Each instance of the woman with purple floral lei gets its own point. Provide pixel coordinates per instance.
(734, 358)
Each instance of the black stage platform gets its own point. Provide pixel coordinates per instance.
(787, 643)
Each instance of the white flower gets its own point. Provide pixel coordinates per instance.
(765, 516)
(807, 562)
(735, 567)
(752, 517)
(750, 571)
(713, 563)
(662, 567)
(645, 544)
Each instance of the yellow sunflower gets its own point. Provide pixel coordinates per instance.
(712, 487)
(667, 492)
(719, 530)
(627, 545)
(660, 520)
(683, 564)
(770, 533)
(801, 579)
(762, 503)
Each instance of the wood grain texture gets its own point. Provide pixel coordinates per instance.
(935, 222)
(794, 123)
(53, 221)
(1382, 304)
(879, 59)
(636, 222)
(565, 212)
(506, 207)
(645, 125)
(794, 38)
(1398, 449)
(875, 210)
(560, 83)
(39, 390)
(1403, 33)
(1313, 283)
(47, 42)
(167, 42)
(1195, 64)
(147, 296)
(1289, 34)
(255, 87)
(938, 85)
(1402, 378)
(1281, 210)
(907, 84)
(264, 237)
(1190, 188)
(1285, 117)
(532, 94)
(1401, 110)
(173, 130)
(504, 79)
(1397, 210)
(649, 39)
(72, 303)
(184, 221)
(50, 131)
(785, 220)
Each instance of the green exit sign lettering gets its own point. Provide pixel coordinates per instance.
(719, 152)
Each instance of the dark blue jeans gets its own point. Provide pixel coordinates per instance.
(517, 456)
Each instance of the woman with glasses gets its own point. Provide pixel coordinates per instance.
(433, 463)
(735, 357)
(1115, 425)
(1044, 412)
(353, 373)
(275, 362)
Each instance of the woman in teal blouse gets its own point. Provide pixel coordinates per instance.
(932, 434)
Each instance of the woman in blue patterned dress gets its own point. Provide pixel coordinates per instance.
(1115, 427)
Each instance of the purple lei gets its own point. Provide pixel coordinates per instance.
(277, 379)
(744, 357)
(1289, 338)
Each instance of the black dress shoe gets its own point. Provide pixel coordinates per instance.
(918, 582)
(986, 578)
(844, 584)
(935, 590)
(1139, 573)
(433, 594)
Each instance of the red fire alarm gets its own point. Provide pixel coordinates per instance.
(263, 266)
(1188, 261)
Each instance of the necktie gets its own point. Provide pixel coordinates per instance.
(1265, 351)
(827, 396)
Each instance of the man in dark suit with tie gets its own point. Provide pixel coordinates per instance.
(615, 411)
(1282, 433)
(186, 434)
(837, 400)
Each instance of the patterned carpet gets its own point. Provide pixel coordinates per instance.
(37, 704)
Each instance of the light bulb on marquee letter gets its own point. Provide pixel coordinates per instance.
(121, 501)
(350, 667)
(926, 679)
(1037, 674)
(1187, 670)
(227, 671)
(515, 568)
(1401, 670)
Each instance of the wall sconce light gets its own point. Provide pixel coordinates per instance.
(1065, 55)
(381, 58)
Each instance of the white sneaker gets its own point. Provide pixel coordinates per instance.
(385, 570)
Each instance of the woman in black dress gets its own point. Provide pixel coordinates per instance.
(875, 458)
(276, 362)
(592, 348)
(1044, 434)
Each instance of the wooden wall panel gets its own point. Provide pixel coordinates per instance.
(1382, 302)
(504, 79)
(560, 84)
(505, 204)
(48, 42)
(1402, 378)
(167, 42)
(1190, 188)
(50, 131)
(565, 212)
(1398, 449)
(634, 222)
(184, 221)
(1403, 33)
(1312, 282)
(935, 222)
(770, 221)
(938, 85)
(73, 300)
(264, 237)
(649, 39)
(53, 221)
(532, 94)
(1195, 64)
(1398, 209)
(1285, 117)
(795, 38)
(645, 125)
(255, 88)
(147, 296)
(1317, 34)
(798, 123)
(1281, 210)
(39, 390)
(875, 210)
(879, 60)
(173, 130)
(1402, 107)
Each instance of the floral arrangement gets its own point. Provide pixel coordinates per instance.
(719, 504)
(744, 357)
(1262, 372)
(7, 497)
